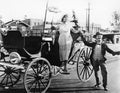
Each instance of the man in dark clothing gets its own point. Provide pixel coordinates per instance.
(98, 57)
(75, 33)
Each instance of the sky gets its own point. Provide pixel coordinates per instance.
(101, 10)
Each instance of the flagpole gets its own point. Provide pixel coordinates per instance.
(45, 16)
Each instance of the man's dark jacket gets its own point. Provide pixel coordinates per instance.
(104, 48)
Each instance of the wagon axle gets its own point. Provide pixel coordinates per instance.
(8, 71)
(38, 77)
(86, 63)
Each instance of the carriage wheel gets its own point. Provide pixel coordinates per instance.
(84, 67)
(8, 76)
(37, 76)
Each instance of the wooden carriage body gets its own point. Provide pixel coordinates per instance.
(31, 45)
(14, 41)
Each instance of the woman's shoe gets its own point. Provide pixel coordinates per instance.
(71, 63)
(65, 72)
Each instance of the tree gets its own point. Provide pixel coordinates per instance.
(116, 18)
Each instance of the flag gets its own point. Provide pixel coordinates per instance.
(53, 9)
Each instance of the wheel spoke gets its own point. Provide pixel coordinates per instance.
(43, 84)
(3, 78)
(91, 70)
(37, 67)
(88, 71)
(86, 54)
(44, 69)
(89, 52)
(33, 69)
(3, 67)
(7, 80)
(14, 76)
(2, 74)
(39, 86)
(35, 86)
(30, 87)
(83, 58)
(11, 80)
(31, 74)
(30, 78)
(81, 51)
(2, 70)
(42, 65)
(83, 73)
(30, 81)
(15, 71)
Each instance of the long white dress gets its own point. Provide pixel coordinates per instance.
(65, 41)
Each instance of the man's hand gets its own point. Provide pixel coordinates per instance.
(117, 53)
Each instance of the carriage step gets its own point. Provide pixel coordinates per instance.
(12, 65)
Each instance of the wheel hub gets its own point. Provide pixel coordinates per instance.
(8, 71)
(86, 63)
(39, 77)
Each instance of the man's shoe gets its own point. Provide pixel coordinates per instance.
(97, 85)
(105, 89)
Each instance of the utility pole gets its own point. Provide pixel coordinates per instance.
(45, 16)
(88, 18)
(88, 21)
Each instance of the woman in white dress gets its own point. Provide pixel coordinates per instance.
(65, 41)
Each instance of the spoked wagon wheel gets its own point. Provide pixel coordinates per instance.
(9, 76)
(84, 67)
(38, 76)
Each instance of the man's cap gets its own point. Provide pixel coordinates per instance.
(75, 21)
(76, 26)
(98, 33)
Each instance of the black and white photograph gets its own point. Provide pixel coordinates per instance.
(59, 46)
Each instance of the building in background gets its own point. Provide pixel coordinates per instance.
(17, 25)
(36, 26)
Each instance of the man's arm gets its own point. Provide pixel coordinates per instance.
(118, 53)
(111, 51)
(86, 42)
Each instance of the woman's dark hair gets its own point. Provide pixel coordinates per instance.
(64, 17)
